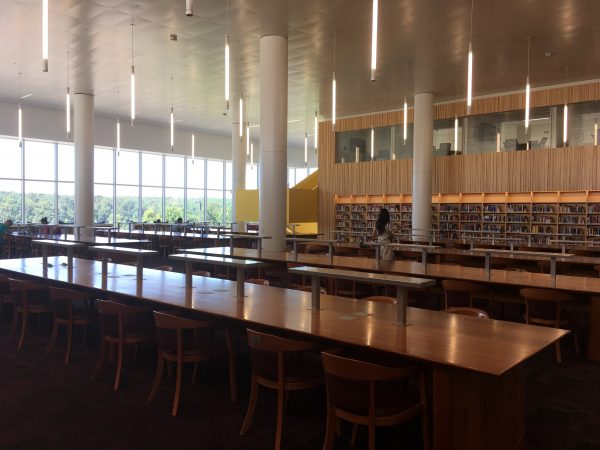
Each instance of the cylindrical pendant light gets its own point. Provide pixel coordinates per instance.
(45, 35)
(189, 4)
(172, 129)
(132, 77)
(470, 65)
(405, 122)
(118, 137)
(455, 134)
(241, 117)
(305, 149)
(374, 39)
(356, 153)
(316, 131)
(333, 89)
(20, 126)
(527, 86)
(596, 133)
(68, 112)
(251, 153)
(247, 139)
(565, 125)
(372, 144)
(227, 72)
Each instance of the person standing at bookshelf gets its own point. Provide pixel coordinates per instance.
(383, 233)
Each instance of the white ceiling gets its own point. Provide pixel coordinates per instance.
(431, 36)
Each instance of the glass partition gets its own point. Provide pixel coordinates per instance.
(374, 144)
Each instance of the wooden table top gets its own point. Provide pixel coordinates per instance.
(485, 346)
(584, 285)
(123, 250)
(178, 234)
(219, 260)
(521, 254)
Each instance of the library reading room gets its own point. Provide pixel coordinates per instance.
(300, 225)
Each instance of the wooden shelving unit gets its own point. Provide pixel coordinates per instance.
(537, 217)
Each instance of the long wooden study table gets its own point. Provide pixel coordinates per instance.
(477, 365)
(575, 284)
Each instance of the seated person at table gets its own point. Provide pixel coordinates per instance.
(45, 229)
(383, 234)
(4, 230)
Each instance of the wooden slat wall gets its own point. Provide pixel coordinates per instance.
(537, 170)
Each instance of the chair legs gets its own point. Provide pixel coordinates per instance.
(251, 405)
(119, 365)
(178, 381)
(69, 342)
(330, 428)
(160, 365)
(23, 329)
(101, 358)
(53, 337)
(558, 352)
(280, 402)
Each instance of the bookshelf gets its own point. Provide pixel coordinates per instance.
(535, 216)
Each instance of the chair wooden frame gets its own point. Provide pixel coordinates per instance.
(280, 346)
(179, 324)
(363, 371)
(22, 291)
(556, 297)
(121, 311)
(460, 286)
(381, 299)
(201, 273)
(69, 296)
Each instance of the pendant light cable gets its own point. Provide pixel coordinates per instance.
(333, 89)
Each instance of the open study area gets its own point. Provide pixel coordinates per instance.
(299, 225)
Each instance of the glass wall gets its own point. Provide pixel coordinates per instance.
(374, 144)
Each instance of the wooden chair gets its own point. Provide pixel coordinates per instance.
(544, 307)
(164, 268)
(5, 295)
(322, 290)
(180, 341)
(473, 312)
(121, 325)
(459, 293)
(371, 394)
(65, 312)
(30, 298)
(259, 281)
(201, 273)
(277, 363)
(381, 299)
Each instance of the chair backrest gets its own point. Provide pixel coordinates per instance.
(260, 281)
(4, 287)
(62, 300)
(28, 292)
(268, 353)
(117, 318)
(473, 312)
(164, 268)
(355, 385)
(381, 299)
(176, 334)
(459, 293)
(542, 306)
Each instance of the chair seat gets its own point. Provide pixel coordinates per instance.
(297, 369)
(203, 350)
(390, 398)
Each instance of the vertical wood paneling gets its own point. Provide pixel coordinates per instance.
(563, 169)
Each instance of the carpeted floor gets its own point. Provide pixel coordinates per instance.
(45, 405)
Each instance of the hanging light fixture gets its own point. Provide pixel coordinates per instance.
(305, 149)
(20, 115)
(356, 153)
(316, 131)
(193, 134)
(251, 153)
(172, 119)
(372, 144)
(118, 126)
(247, 139)
(132, 77)
(455, 134)
(45, 35)
(333, 89)
(227, 60)
(470, 66)
(527, 86)
(405, 107)
(566, 113)
(374, 39)
(68, 99)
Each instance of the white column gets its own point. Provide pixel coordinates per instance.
(83, 128)
(273, 140)
(422, 164)
(238, 163)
